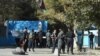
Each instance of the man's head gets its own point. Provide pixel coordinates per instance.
(91, 32)
(32, 30)
(25, 28)
(60, 29)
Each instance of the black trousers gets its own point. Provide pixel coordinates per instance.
(41, 43)
(17, 41)
(44, 43)
(33, 45)
(91, 44)
(70, 45)
(26, 46)
(63, 47)
(37, 42)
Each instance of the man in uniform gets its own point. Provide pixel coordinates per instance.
(70, 40)
(91, 36)
(25, 41)
(48, 38)
(60, 42)
(40, 35)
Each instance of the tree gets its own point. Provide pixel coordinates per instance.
(18, 9)
(78, 13)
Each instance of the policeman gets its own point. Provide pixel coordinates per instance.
(48, 35)
(26, 36)
(40, 35)
(60, 42)
(80, 37)
(70, 40)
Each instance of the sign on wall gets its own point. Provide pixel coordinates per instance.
(20, 25)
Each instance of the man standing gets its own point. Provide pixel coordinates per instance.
(32, 40)
(37, 39)
(70, 40)
(40, 35)
(60, 42)
(80, 39)
(48, 35)
(25, 41)
(91, 36)
(54, 40)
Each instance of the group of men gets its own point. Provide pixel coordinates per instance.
(60, 40)
(28, 39)
(55, 40)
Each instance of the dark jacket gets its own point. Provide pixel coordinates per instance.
(91, 37)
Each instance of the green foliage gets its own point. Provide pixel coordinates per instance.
(79, 13)
(17, 9)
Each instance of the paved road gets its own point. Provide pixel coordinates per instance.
(47, 52)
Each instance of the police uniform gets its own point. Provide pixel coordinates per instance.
(70, 40)
(61, 42)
